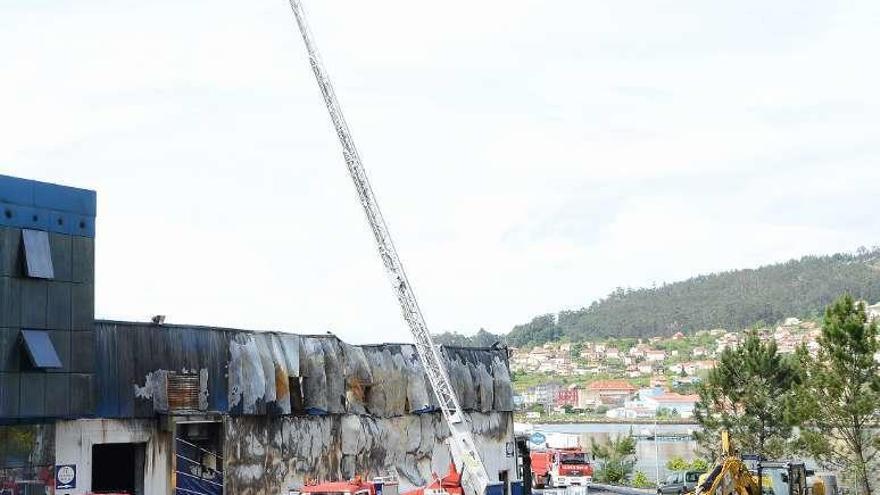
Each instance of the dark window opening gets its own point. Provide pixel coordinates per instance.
(37, 255)
(118, 468)
(296, 395)
(40, 349)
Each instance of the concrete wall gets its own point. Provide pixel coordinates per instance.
(74, 441)
(267, 456)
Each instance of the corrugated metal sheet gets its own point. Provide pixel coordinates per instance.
(250, 373)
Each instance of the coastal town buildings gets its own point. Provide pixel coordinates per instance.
(609, 376)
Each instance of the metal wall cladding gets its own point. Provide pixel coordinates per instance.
(63, 308)
(266, 373)
(132, 357)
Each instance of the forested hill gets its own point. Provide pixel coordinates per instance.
(732, 300)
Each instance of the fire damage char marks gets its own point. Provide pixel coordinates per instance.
(265, 456)
(299, 408)
(248, 373)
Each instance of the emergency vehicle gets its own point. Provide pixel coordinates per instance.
(559, 468)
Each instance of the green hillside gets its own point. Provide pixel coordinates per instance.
(732, 300)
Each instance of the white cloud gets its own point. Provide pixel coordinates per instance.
(529, 156)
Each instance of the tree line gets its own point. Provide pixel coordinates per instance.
(825, 406)
(732, 300)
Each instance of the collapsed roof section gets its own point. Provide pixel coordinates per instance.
(146, 369)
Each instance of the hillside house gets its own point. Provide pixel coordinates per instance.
(607, 392)
(567, 396)
(671, 401)
(655, 356)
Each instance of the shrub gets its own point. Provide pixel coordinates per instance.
(677, 464)
(640, 480)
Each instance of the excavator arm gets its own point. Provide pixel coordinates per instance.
(729, 477)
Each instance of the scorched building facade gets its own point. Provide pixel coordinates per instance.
(103, 406)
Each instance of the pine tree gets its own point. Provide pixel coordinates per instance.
(750, 393)
(841, 395)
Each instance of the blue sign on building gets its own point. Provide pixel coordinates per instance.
(65, 476)
(537, 438)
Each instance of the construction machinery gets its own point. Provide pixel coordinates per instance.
(731, 475)
(474, 477)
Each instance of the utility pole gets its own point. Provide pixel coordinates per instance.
(656, 453)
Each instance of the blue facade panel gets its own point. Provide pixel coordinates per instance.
(16, 191)
(43, 206)
(65, 198)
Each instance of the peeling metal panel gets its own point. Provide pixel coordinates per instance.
(268, 369)
(314, 375)
(418, 391)
(503, 385)
(291, 345)
(335, 373)
(247, 381)
(281, 376)
(249, 373)
(358, 378)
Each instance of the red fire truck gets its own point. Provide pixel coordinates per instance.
(559, 468)
(447, 485)
(356, 486)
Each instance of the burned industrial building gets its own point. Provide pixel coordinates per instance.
(91, 406)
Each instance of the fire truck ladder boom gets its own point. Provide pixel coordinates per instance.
(475, 478)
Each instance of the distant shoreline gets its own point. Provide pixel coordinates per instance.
(606, 421)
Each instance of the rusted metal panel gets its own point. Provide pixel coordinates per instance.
(183, 392)
(281, 378)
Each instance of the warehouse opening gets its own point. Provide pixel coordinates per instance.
(118, 468)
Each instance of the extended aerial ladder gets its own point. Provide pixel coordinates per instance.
(475, 479)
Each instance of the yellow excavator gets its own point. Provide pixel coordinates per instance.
(731, 475)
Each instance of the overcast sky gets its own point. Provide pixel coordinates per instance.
(529, 155)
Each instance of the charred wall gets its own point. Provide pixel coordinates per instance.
(268, 456)
(245, 373)
(299, 408)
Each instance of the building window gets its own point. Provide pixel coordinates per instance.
(40, 349)
(38, 257)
